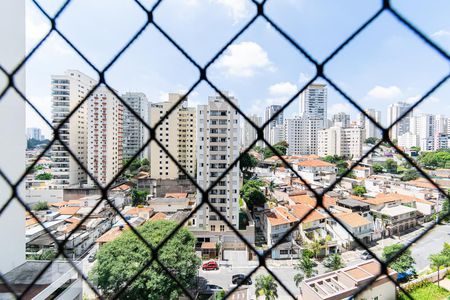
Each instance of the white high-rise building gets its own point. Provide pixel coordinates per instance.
(68, 91)
(425, 127)
(301, 135)
(278, 120)
(341, 141)
(177, 133)
(217, 148)
(34, 133)
(313, 103)
(371, 130)
(341, 119)
(249, 134)
(441, 124)
(276, 134)
(394, 112)
(408, 140)
(135, 135)
(105, 134)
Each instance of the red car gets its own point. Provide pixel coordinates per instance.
(210, 265)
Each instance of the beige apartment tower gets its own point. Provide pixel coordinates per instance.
(68, 91)
(105, 117)
(177, 133)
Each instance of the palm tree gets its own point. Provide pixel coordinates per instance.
(298, 278)
(334, 262)
(306, 266)
(266, 285)
(439, 260)
(316, 248)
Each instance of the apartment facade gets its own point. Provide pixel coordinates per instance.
(68, 90)
(34, 133)
(177, 133)
(313, 103)
(341, 119)
(249, 134)
(341, 141)
(134, 132)
(301, 135)
(104, 136)
(395, 111)
(218, 147)
(371, 130)
(277, 121)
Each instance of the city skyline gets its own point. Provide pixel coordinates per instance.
(273, 79)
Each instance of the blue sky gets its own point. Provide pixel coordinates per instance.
(384, 64)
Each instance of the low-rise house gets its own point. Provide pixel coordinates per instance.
(353, 205)
(316, 170)
(396, 219)
(355, 226)
(171, 203)
(346, 282)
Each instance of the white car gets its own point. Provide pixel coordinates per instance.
(366, 255)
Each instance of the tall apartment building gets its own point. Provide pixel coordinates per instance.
(408, 140)
(341, 141)
(177, 133)
(313, 103)
(217, 148)
(395, 111)
(34, 133)
(279, 119)
(441, 124)
(68, 91)
(425, 127)
(105, 135)
(301, 135)
(135, 135)
(371, 130)
(277, 134)
(341, 119)
(249, 134)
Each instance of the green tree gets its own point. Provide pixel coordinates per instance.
(252, 195)
(46, 254)
(439, 260)
(340, 162)
(266, 285)
(391, 166)
(315, 247)
(377, 168)
(306, 266)
(33, 143)
(371, 140)
(280, 148)
(119, 260)
(41, 205)
(443, 214)
(359, 190)
(401, 264)
(43, 176)
(219, 295)
(334, 262)
(145, 162)
(414, 148)
(247, 162)
(138, 196)
(410, 174)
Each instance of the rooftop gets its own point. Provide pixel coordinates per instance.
(397, 210)
(315, 163)
(353, 219)
(351, 202)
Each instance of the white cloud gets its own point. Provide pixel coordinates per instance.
(303, 78)
(385, 93)
(283, 89)
(428, 100)
(238, 9)
(340, 107)
(245, 60)
(441, 33)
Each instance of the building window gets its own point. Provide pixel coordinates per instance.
(222, 228)
(213, 227)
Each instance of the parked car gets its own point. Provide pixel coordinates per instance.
(405, 276)
(210, 265)
(213, 288)
(239, 279)
(366, 255)
(91, 257)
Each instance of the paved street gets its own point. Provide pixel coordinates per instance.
(429, 244)
(87, 266)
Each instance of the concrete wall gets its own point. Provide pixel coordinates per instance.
(35, 195)
(12, 122)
